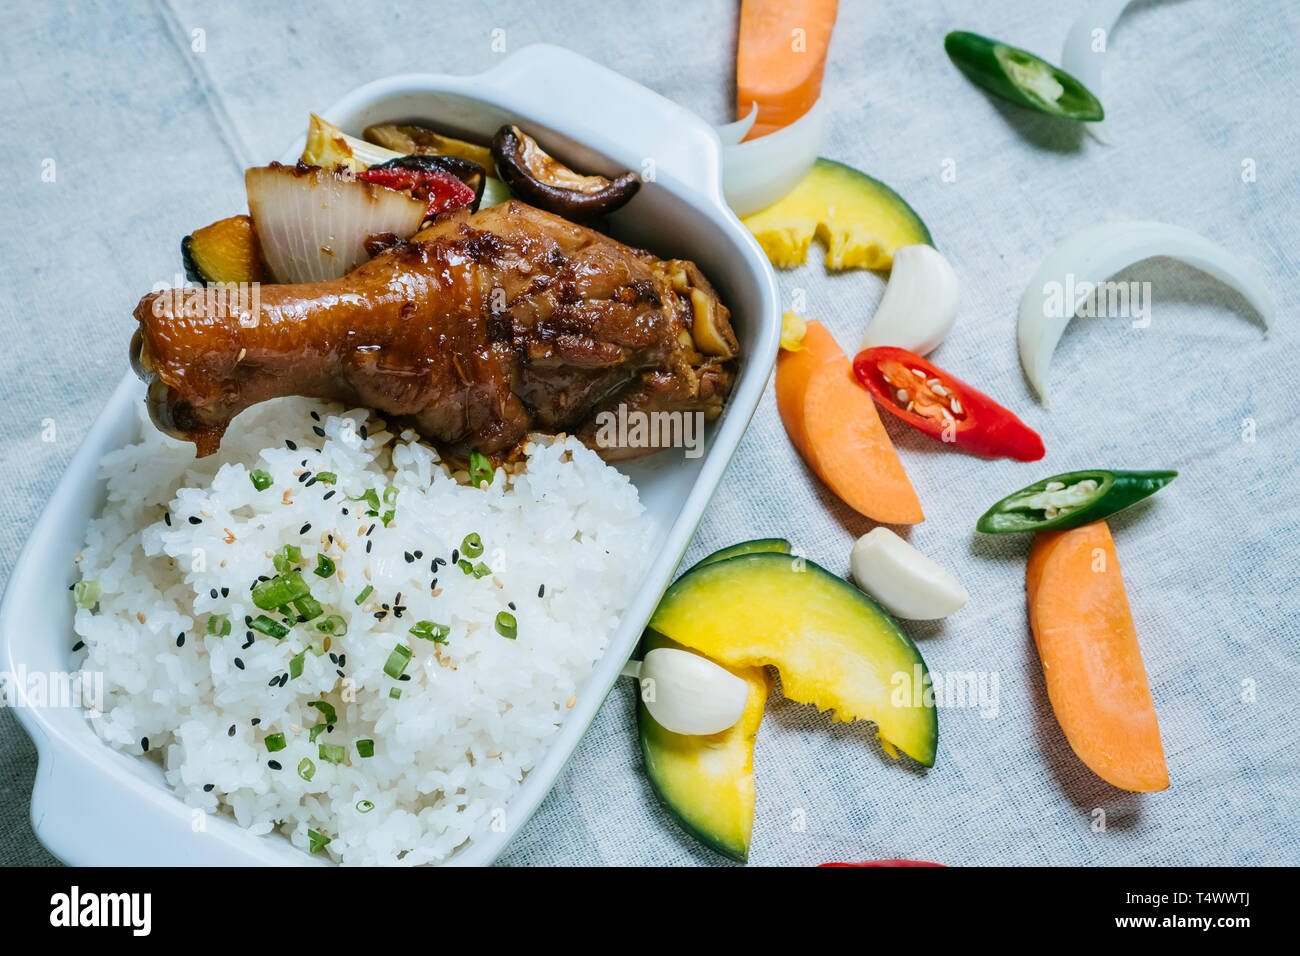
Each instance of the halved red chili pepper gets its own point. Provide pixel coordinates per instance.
(440, 189)
(943, 406)
(886, 863)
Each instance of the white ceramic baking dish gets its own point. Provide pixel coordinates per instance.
(93, 805)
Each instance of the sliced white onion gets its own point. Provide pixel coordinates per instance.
(920, 303)
(905, 582)
(1093, 255)
(689, 694)
(313, 226)
(758, 172)
(1079, 59)
(732, 133)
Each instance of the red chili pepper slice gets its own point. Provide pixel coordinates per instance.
(943, 406)
(886, 863)
(440, 189)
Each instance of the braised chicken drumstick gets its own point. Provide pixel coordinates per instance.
(482, 328)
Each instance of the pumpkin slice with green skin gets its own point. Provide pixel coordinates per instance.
(225, 251)
(757, 546)
(707, 781)
(860, 220)
(834, 647)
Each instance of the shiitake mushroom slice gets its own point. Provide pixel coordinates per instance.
(538, 178)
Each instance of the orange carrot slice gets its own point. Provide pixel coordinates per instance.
(793, 369)
(850, 449)
(780, 57)
(1079, 614)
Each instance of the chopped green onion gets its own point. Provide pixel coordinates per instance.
(316, 840)
(326, 477)
(394, 693)
(275, 742)
(295, 665)
(331, 753)
(324, 566)
(365, 748)
(268, 627)
(306, 769)
(364, 806)
(261, 480)
(365, 593)
(316, 731)
(326, 710)
(480, 469)
(387, 516)
(506, 625)
(308, 607)
(429, 631)
(480, 570)
(293, 553)
(472, 546)
(397, 661)
(281, 563)
(390, 496)
(280, 590)
(333, 625)
(219, 625)
(86, 594)
(371, 497)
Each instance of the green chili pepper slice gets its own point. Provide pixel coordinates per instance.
(1020, 77)
(1071, 500)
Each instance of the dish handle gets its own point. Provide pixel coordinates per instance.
(543, 77)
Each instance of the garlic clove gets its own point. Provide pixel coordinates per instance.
(690, 694)
(905, 582)
(919, 306)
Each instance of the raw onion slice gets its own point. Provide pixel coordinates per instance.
(732, 133)
(758, 172)
(313, 225)
(1093, 255)
(1080, 59)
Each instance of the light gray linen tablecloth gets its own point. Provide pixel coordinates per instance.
(150, 135)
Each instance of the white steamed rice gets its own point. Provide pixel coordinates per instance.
(477, 712)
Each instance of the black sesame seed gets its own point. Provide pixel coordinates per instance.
(291, 445)
(273, 681)
(334, 658)
(419, 554)
(345, 510)
(273, 764)
(340, 673)
(194, 519)
(310, 481)
(368, 544)
(455, 555)
(263, 577)
(303, 463)
(370, 529)
(408, 556)
(225, 592)
(315, 416)
(305, 528)
(239, 663)
(231, 731)
(438, 562)
(541, 590)
(180, 640)
(433, 584)
(248, 641)
(343, 659)
(208, 787)
(255, 721)
(78, 646)
(144, 744)
(212, 593)
(364, 434)
(329, 728)
(328, 495)
(405, 677)
(167, 517)
(320, 432)
(512, 607)
(304, 476)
